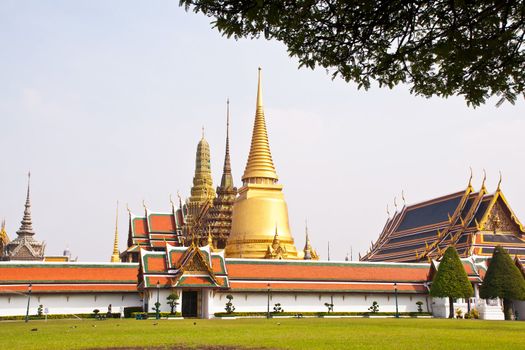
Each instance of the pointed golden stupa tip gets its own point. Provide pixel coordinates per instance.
(259, 91)
(260, 163)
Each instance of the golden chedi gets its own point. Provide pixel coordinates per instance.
(260, 210)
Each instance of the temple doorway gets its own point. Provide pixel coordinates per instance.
(189, 303)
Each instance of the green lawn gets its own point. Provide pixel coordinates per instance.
(302, 334)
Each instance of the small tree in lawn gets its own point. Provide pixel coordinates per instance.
(229, 305)
(503, 280)
(419, 306)
(451, 280)
(277, 308)
(173, 301)
(329, 306)
(156, 308)
(374, 308)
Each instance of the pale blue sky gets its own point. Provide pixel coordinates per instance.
(104, 101)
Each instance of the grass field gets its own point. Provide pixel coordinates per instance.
(300, 334)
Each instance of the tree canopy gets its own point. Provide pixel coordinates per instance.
(439, 48)
(503, 278)
(451, 280)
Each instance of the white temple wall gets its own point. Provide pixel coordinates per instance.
(314, 302)
(151, 299)
(85, 303)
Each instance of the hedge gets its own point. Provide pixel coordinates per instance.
(320, 314)
(153, 314)
(56, 316)
(128, 311)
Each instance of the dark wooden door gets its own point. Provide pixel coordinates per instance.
(189, 303)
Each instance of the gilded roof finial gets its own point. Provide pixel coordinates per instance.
(260, 163)
(210, 238)
(180, 199)
(202, 132)
(499, 182)
(403, 197)
(171, 202)
(484, 179)
(144, 204)
(395, 203)
(470, 178)
(115, 257)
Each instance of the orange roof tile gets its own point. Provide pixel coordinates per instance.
(162, 223)
(326, 271)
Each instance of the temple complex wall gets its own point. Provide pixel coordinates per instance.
(315, 302)
(85, 303)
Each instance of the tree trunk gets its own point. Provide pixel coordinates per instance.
(507, 309)
(451, 308)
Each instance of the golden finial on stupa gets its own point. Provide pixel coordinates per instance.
(260, 163)
(115, 257)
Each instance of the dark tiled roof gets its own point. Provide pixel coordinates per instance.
(432, 213)
(416, 235)
(501, 238)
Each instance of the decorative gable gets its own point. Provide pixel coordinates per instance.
(196, 264)
(500, 219)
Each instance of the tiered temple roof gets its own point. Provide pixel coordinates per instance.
(152, 230)
(474, 222)
(186, 267)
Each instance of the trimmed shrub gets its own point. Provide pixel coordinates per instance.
(451, 280)
(374, 308)
(173, 301)
(419, 306)
(503, 280)
(229, 305)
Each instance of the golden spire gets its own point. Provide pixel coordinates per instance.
(307, 245)
(202, 189)
(115, 256)
(260, 163)
(4, 238)
(227, 179)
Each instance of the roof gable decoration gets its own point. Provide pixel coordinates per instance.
(500, 217)
(195, 270)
